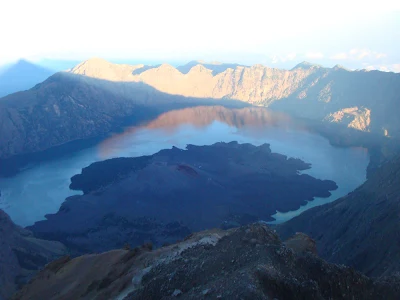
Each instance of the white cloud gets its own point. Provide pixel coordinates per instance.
(380, 55)
(339, 56)
(314, 55)
(396, 68)
(362, 54)
(353, 51)
(291, 56)
(358, 54)
(385, 68)
(283, 58)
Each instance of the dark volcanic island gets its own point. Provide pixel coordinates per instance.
(164, 197)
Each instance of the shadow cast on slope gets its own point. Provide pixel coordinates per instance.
(70, 112)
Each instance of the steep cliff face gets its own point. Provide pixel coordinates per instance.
(353, 117)
(360, 99)
(256, 84)
(362, 229)
(367, 100)
(21, 255)
(242, 263)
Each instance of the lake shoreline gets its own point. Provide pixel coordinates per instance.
(43, 187)
(200, 187)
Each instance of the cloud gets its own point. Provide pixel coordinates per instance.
(314, 55)
(340, 56)
(380, 55)
(396, 68)
(358, 54)
(385, 68)
(362, 54)
(283, 58)
(291, 56)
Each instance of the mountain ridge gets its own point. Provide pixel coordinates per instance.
(351, 98)
(78, 107)
(248, 262)
(21, 75)
(307, 90)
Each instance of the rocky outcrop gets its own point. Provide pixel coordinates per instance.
(353, 117)
(362, 229)
(242, 263)
(21, 255)
(301, 242)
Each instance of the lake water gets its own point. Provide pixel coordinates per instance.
(41, 188)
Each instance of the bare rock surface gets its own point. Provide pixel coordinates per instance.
(214, 264)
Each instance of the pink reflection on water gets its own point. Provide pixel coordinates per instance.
(258, 119)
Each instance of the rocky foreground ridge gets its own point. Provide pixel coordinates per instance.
(249, 262)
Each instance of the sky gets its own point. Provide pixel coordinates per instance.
(355, 34)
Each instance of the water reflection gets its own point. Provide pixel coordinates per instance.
(200, 118)
(31, 194)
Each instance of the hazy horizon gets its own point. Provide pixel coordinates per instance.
(357, 35)
(57, 65)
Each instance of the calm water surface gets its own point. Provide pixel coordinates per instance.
(41, 188)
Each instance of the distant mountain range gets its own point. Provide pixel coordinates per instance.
(94, 96)
(365, 100)
(21, 76)
(216, 67)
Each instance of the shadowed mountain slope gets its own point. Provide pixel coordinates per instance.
(21, 255)
(361, 229)
(67, 107)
